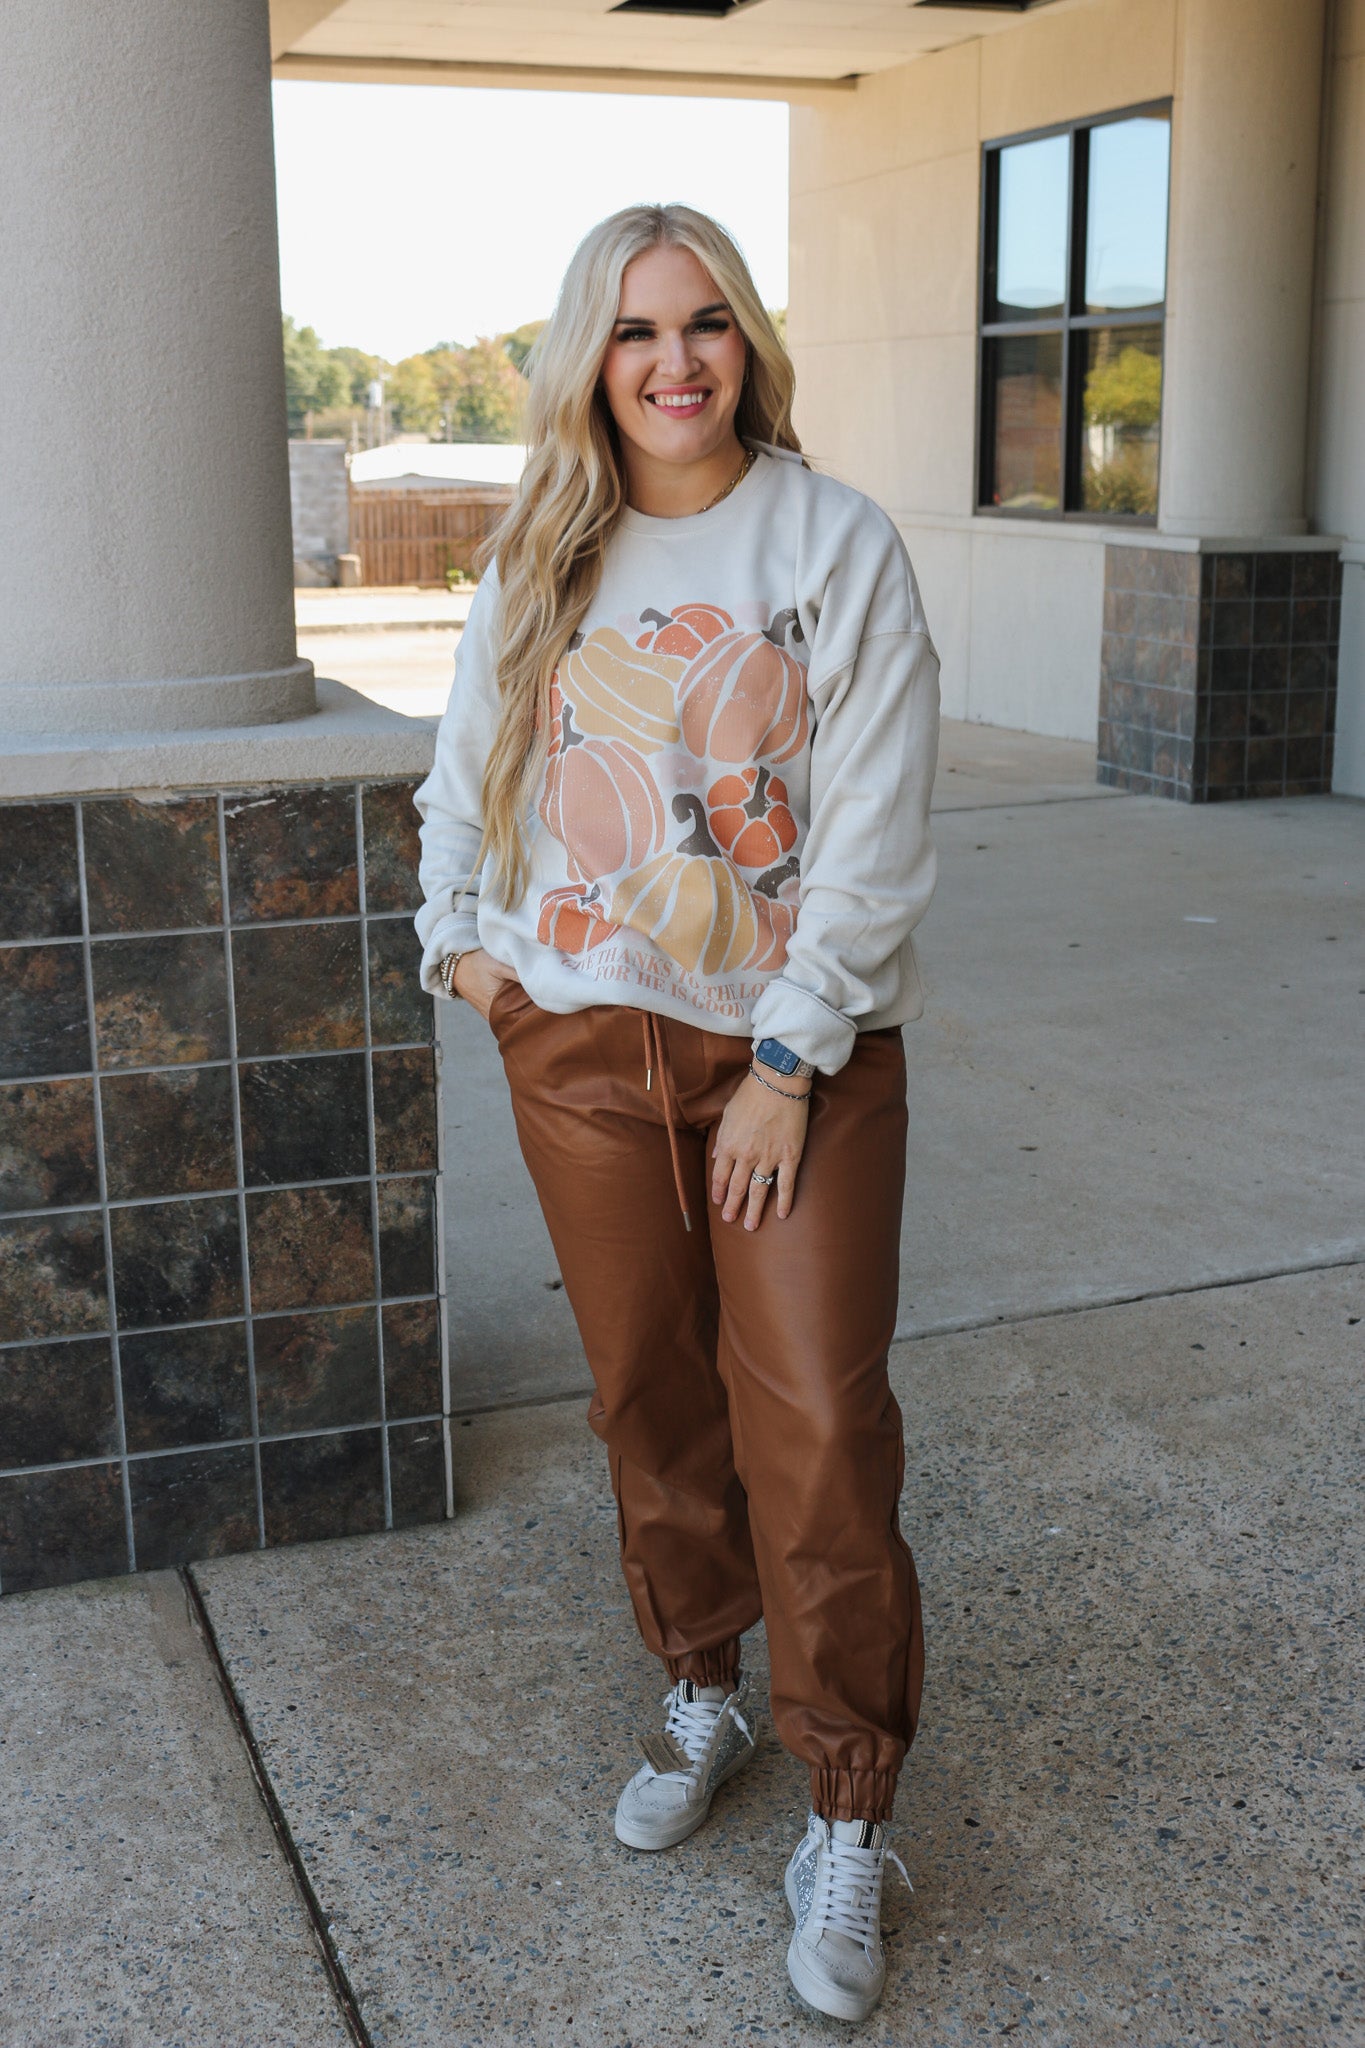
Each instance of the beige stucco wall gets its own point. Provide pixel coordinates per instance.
(885, 230)
(1339, 483)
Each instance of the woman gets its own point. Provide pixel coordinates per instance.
(673, 844)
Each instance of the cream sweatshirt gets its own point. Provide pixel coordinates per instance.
(733, 824)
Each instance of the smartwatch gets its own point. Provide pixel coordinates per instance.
(781, 1058)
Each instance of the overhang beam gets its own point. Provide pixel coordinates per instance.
(728, 85)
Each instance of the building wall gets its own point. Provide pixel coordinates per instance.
(319, 505)
(885, 239)
(884, 230)
(1339, 485)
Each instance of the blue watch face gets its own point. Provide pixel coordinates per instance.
(778, 1056)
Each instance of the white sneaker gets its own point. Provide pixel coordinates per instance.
(834, 1888)
(709, 1738)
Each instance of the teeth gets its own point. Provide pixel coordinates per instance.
(679, 404)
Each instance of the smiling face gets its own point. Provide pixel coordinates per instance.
(674, 367)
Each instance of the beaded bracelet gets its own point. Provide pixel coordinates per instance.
(787, 1094)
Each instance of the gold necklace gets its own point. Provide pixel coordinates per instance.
(735, 480)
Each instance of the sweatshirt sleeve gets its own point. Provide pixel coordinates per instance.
(450, 800)
(868, 866)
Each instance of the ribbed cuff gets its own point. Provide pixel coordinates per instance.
(852, 1795)
(719, 1666)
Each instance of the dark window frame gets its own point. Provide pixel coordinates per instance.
(1072, 325)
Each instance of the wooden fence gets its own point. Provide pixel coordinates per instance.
(415, 535)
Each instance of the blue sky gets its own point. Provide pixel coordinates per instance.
(411, 215)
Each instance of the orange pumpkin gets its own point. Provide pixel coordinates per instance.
(622, 692)
(743, 698)
(776, 923)
(601, 803)
(750, 817)
(693, 902)
(571, 920)
(684, 631)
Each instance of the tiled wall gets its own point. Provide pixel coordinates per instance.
(1218, 672)
(219, 1323)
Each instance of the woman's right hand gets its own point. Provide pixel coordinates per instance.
(479, 977)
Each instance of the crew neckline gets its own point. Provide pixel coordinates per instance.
(714, 515)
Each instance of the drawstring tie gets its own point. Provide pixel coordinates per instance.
(656, 1055)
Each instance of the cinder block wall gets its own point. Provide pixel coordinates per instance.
(319, 508)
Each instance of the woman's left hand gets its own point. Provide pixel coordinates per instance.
(760, 1132)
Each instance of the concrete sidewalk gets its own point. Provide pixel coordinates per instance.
(1133, 1483)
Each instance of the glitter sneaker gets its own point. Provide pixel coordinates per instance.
(834, 1888)
(706, 1738)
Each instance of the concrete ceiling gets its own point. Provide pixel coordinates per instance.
(769, 48)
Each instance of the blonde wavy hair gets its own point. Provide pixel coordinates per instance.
(550, 544)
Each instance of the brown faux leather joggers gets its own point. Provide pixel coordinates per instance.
(741, 1384)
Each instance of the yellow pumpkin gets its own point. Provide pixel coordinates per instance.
(622, 692)
(692, 902)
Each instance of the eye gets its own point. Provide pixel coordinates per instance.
(712, 326)
(635, 334)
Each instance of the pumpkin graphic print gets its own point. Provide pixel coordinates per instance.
(658, 841)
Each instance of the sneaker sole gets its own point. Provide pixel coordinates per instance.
(686, 1824)
(836, 2002)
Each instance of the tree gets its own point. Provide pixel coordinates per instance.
(518, 344)
(312, 378)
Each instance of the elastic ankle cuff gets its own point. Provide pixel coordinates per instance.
(719, 1666)
(852, 1795)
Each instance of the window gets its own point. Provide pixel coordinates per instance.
(1073, 301)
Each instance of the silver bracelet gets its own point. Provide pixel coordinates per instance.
(787, 1094)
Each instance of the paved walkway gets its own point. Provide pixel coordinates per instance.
(1131, 1371)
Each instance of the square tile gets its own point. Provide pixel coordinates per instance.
(193, 1504)
(292, 853)
(1310, 622)
(1307, 760)
(1269, 668)
(177, 1262)
(1266, 713)
(1270, 622)
(58, 1527)
(311, 1247)
(1308, 668)
(1228, 716)
(1314, 573)
(52, 1277)
(152, 867)
(412, 1358)
(304, 1119)
(168, 1134)
(1226, 763)
(185, 1386)
(405, 1111)
(1265, 761)
(47, 1145)
(1274, 575)
(299, 989)
(317, 1371)
(1230, 668)
(316, 1486)
(1232, 624)
(392, 846)
(401, 1011)
(1232, 575)
(40, 896)
(160, 1002)
(56, 1402)
(1306, 717)
(407, 1237)
(44, 1028)
(417, 1473)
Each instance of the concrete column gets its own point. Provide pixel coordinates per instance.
(1243, 194)
(145, 557)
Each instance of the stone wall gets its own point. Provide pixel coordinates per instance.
(219, 1315)
(319, 506)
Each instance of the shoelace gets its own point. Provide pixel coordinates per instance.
(691, 1722)
(848, 1900)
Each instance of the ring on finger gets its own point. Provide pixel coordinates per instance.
(764, 1179)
